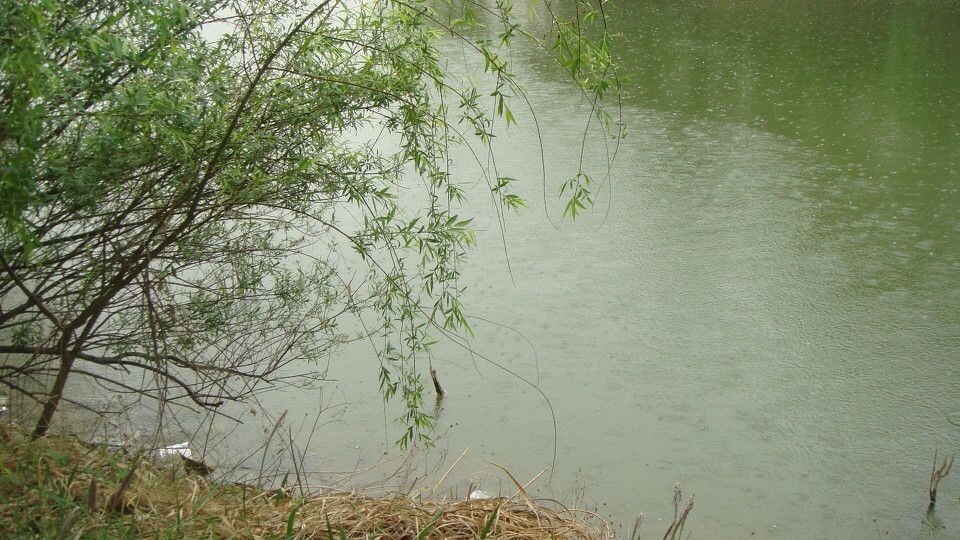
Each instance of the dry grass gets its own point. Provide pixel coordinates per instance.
(59, 488)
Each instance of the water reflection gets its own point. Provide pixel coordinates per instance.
(771, 311)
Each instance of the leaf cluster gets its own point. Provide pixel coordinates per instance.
(189, 187)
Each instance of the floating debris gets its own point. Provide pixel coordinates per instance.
(478, 495)
(180, 449)
(185, 453)
(194, 466)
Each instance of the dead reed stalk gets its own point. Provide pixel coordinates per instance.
(149, 501)
(938, 473)
(675, 530)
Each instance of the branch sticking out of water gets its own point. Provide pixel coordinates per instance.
(436, 383)
(938, 473)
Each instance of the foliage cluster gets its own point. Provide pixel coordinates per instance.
(195, 193)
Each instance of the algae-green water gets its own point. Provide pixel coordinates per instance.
(764, 303)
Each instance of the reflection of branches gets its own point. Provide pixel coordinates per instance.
(121, 362)
(34, 300)
(36, 397)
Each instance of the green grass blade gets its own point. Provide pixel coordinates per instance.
(428, 528)
(490, 521)
(290, 521)
(326, 518)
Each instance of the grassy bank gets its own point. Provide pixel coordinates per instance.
(57, 487)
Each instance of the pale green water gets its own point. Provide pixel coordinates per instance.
(770, 310)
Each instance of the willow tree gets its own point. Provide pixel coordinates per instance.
(187, 185)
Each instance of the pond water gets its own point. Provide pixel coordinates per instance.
(764, 305)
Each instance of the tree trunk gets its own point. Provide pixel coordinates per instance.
(50, 407)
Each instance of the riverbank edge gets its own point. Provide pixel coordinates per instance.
(59, 487)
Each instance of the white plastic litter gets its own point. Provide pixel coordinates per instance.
(182, 449)
(477, 494)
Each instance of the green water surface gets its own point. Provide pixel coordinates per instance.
(764, 304)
